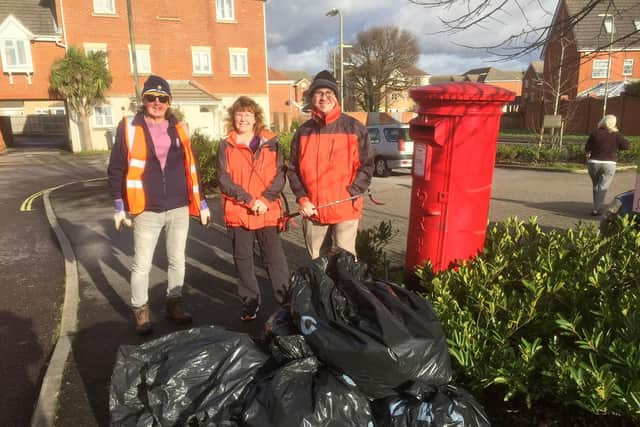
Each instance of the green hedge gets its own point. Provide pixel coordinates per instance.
(541, 317)
(205, 150)
(531, 154)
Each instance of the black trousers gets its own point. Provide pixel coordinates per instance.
(272, 257)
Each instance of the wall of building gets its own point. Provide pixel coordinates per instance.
(513, 86)
(585, 79)
(532, 86)
(170, 32)
(561, 50)
(35, 86)
(280, 95)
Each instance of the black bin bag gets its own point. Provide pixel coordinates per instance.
(191, 377)
(302, 393)
(448, 406)
(385, 338)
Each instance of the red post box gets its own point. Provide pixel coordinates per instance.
(455, 135)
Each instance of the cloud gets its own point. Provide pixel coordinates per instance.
(300, 35)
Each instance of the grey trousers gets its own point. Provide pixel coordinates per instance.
(601, 176)
(146, 231)
(272, 257)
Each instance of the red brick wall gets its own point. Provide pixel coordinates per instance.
(279, 94)
(513, 86)
(532, 86)
(43, 55)
(617, 60)
(553, 57)
(190, 23)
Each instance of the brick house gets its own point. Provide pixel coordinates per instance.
(506, 79)
(533, 82)
(210, 52)
(400, 101)
(576, 52)
(286, 97)
(30, 41)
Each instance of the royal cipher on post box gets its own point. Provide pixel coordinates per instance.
(455, 135)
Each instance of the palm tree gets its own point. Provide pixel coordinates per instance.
(81, 79)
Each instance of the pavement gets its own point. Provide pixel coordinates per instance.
(96, 317)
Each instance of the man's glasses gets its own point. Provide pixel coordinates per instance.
(151, 98)
(324, 94)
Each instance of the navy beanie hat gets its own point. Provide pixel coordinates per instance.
(324, 79)
(156, 85)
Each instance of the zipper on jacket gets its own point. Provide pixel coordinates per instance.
(333, 140)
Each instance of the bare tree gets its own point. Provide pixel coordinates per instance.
(466, 14)
(380, 62)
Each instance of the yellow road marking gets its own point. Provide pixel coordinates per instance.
(28, 202)
(27, 205)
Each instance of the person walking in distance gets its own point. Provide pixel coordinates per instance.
(153, 178)
(251, 176)
(602, 153)
(331, 160)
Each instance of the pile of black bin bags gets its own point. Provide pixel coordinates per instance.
(349, 352)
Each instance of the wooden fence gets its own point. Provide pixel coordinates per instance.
(582, 115)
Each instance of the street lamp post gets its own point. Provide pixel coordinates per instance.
(134, 60)
(610, 19)
(334, 12)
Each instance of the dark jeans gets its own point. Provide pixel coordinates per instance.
(272, 257)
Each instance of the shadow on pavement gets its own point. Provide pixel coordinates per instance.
(20, 349)
(105, 320)
(569, 209)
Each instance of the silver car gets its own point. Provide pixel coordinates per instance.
(392, 145)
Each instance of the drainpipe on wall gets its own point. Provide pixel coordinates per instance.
(64, 29)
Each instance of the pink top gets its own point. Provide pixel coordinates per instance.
(161, 140)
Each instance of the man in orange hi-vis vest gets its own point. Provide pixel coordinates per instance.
(153, 178)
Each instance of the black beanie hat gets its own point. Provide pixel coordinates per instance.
(324, 79)
(156, 85)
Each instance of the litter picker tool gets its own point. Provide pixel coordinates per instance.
(286, 219)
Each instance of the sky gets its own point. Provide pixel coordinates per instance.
(300, 35)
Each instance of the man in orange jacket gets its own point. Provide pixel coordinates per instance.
(331, 160)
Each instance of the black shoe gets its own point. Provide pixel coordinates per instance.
(596, 212)
(250, 309)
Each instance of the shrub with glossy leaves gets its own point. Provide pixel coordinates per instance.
(542, 316)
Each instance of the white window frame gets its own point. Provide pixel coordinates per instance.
(627, 67)
(22, 65)
(104, 7)
(102, 116)
(97, 47)
(225, 10)
(238, 57)
(600, 69)
(198, 54)
(143, 58)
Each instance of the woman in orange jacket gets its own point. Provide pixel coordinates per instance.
(251, 175)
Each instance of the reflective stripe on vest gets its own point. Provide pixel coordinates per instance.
(135, 140)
